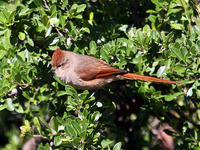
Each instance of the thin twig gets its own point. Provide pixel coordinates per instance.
(45, 4)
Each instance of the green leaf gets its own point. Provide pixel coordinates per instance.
(6, 39)
(93, 47)
(106, 142)
(161, 70)
(74, 6)
(61, 93)
(58, 140)
(175, 10)
(38, 3)
(70, 129)
(96, 115)
(62, 21)
(2, 107)
(123, 28)
(37, 124)
(177, 51)
(54, 123)
(21, 36)
(46, 146)
(146, 29)
(177, 26)
(117, 146)
(2, 54)
(174, 96)
(48, 31)
(3, 19)
(71, 91)
(30, 41)
(53, 11)
(76, 125)
(9, 104)
(78, 16)
(104, 55)
(59, 81)
(87, 30)
(81, 8)
(54, 21)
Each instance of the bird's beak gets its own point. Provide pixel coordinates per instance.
(51, 70)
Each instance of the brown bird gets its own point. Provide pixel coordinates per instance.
(87, 73)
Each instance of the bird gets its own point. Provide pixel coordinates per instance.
(90, 73)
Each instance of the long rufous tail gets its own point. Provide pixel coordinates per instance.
(147, 78)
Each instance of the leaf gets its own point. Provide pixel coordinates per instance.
(30, 41)
(175, 10)
(146, 29)
(48, 31)
(123, 28)
(9, 104)
(189, 92)
(106, 142)
(38, 3)
(177, 26)
(2, 54)
(70, 129)
(91, 16)
(198, 46)
(37, 124)
(54, 123)
(59, 81)
(172, 96)
(54, 21)
(73, 7)
(58, 140)
(46, 146)
(93, 47)
(6, 39)
(78, 16)
(24, 11)
(96, 115)
(87, 30)
(56, 40)
(104, 55)
(3, 19)
(161, 70)
(76, 125)
(81, 8)
(21, 36)
(71, 91)
(61, 93)
(177, 51)
(53, 11)
(70, 101)
(117, 146)
(62, 21)
(99, 104)
(2, 107)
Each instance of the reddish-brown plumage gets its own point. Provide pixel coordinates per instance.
(57, 57)
(134, 76)
(86, 72)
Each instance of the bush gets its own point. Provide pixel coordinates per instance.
(157, 38)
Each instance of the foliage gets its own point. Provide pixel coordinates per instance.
(34, 103)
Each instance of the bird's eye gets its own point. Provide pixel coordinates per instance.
(59, 65)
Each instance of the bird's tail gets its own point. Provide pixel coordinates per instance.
(133, 76)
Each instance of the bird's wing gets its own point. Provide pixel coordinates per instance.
(89, 68)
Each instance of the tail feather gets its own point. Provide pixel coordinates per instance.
(147, 78)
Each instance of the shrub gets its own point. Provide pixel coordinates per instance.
(163, 42)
